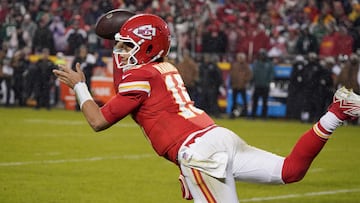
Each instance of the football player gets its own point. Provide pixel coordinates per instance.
(210, 158)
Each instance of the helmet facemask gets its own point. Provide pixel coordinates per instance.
(120, 53)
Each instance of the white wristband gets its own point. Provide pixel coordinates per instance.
(82, 93)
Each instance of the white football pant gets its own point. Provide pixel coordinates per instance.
(217, 159)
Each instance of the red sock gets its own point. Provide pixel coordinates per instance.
(304, 152)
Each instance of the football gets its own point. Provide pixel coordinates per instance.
(110, 23)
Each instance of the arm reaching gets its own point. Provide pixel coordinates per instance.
(76, 81)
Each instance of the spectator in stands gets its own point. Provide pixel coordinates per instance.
(29, 28)
(93, 14)
(2, 57)
(295, 97)
(29, 79)
(189, 71)
(334, 67)
(278, 46)
(355, 13)
(57, 27)
(214, 40)
(43, 79)
(328, 44)
(317, 86)
(60, 60)
(240, 76)
(291, 40)
(209, 83)
(43, 37)
(263, 73)
(87, 63)
(67, 11)
(93, 41)
(345, 41)
(7, 72)
(311, 10)
(107, 5)
(75, 37)
(354, 32)
(339, 13)
(198, 46)
(323, 20)
(5, 9)
(307, 42)
(7, 28)
(254, 40)
(319, 30)
(324, 90)
(311, 67)
(20, 64)
(15, 42)
(338, 41)
(233, 37)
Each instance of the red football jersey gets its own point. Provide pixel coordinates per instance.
(156, 97)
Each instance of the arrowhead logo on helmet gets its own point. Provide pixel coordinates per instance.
(145, 32)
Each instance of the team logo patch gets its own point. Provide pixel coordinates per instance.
(145, 32)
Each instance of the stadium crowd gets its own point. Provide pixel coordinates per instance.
(320, 39)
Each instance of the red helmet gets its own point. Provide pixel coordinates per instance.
(148, 34)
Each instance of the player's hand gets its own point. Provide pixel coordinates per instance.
(68, 76)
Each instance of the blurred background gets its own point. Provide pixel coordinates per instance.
(250, 59)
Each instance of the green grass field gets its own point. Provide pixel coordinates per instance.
(54, 156)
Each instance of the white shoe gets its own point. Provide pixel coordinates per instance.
(346, 104)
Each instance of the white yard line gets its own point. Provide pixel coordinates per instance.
(90, 159)
(309, 194)
(76, 122)
(55, 122)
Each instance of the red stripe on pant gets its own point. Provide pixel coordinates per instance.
(202, 185)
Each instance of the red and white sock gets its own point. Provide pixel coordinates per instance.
(326, 125)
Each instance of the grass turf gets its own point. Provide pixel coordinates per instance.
(54, 156)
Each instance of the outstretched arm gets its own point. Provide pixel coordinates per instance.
(76, 81)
